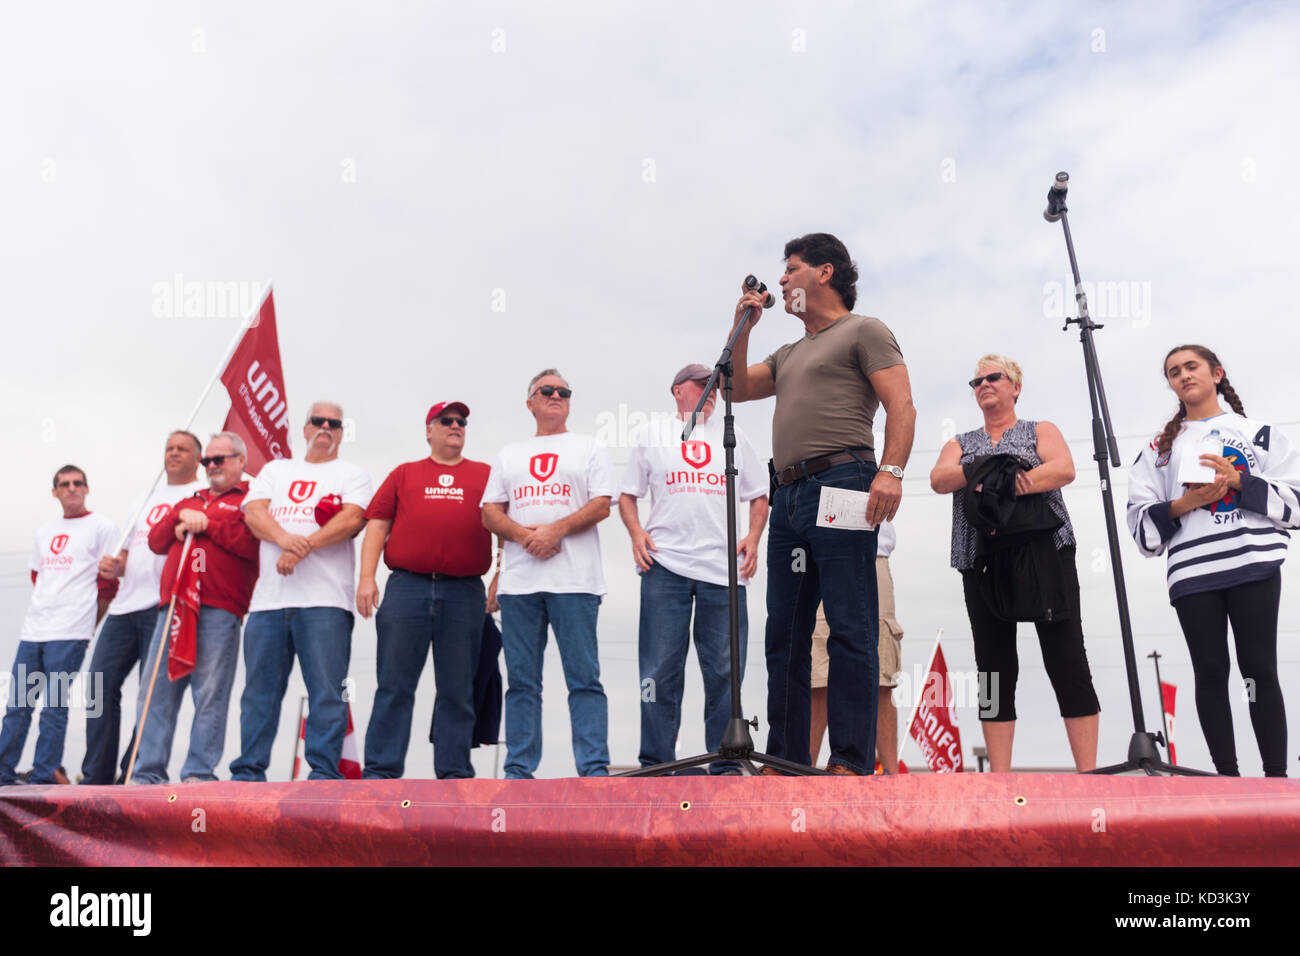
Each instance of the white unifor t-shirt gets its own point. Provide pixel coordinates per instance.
(293, 487)
(541, 480)
(687, 484)
(138, 588)
(65, 557)
(886, 539)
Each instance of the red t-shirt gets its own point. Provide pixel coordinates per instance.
(434, 509)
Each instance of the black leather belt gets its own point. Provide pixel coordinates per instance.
(436, 576)
(788, 476)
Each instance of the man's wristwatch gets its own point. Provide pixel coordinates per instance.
(893, 470)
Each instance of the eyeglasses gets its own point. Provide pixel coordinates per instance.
(549, 390)
(319, 422)
(72, 483)
(448, 420)
(217, 460)
(990, 377)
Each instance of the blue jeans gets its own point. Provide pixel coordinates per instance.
(524, 619)
(417, 612)
(322, 639)
(210, 684)
(57, 662)
(123, 641)
(666, 600)
(806, 564)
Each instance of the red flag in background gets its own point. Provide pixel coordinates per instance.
(259, 411)
(183, 636)
(349, 760)
(1167, 692)
(934, 720)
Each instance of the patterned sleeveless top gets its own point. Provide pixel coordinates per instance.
(1021, 440)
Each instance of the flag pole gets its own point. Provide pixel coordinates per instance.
(194, 413)
(916, 704)
(297, 742)
(164, 642)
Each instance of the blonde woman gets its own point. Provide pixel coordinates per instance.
(996, 388)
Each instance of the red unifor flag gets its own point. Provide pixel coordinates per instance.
(259, 410)
(349, 760)
(183, 636)
(934, 719)
(1167, 692)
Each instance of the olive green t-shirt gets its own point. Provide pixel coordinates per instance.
(824, 402)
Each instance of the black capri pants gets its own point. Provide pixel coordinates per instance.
(999, 666)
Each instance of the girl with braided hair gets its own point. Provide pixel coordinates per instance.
(1218, 493)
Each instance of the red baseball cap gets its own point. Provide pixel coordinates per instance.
(441, 407)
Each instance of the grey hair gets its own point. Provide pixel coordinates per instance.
(542, 374)
(313, 405)
(236, 442)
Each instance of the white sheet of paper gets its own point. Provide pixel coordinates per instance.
(1190, 469)
(843, 508)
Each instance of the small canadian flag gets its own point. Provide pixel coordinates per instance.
(349, 761)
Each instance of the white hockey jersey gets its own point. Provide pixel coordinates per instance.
(1241, 538)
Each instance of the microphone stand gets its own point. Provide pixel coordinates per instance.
(737, 745)
(1142, 753)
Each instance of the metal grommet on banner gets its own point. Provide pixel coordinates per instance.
(686, 804)
(405, 804)
(1021, 801)
(171, 798)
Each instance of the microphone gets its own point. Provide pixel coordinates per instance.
(751, 282)
(1056, 198)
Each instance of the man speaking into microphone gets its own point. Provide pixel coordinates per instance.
(828, 385)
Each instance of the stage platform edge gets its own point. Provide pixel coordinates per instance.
(907, 820)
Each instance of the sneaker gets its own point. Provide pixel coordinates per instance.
(194, 780)
(839, 770)
(770, 772)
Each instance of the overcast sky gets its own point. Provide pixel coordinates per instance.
(449, 197)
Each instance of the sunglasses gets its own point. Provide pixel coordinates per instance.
(990, 377)
(217, 460)
(448, 420)
(74, 483)
(319, 422)
(549, 390)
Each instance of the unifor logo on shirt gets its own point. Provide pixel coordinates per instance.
(300, 491)
(444, 490)
(543, 466)
(156, 514)
(58, 543)
(697, 454)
